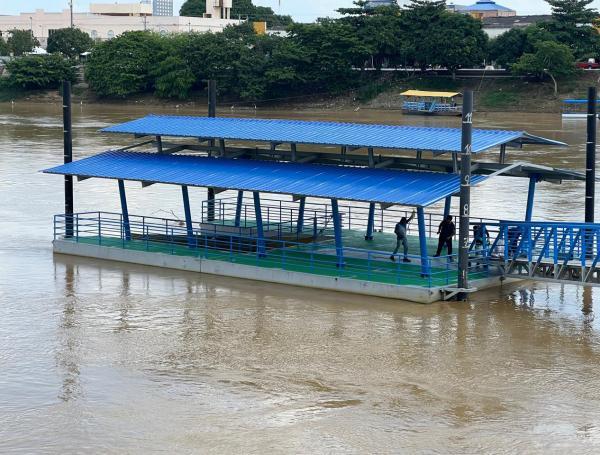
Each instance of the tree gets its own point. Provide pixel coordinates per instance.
(459, 41)
(124, 65)
(241, 8)
(572, 25)
(4, 50)
(507, 48)
(70, 42)
(21, 41)
(40, 71)
(573, 12)
(550, 58)
(378, 28)
(173, 78)
(331, 49)
(420, 21)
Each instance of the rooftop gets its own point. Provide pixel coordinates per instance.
(357, 135)
(412, 188)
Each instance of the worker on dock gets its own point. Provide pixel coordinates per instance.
(446, 231)
(400, 231)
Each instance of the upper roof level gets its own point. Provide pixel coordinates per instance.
(354, 135)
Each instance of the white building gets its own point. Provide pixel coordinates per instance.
(163, 7)
(218, 8)
(112, 22)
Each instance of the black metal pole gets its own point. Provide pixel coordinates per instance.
(212, 98)
(68, 156)
(212, 112)
(590, 160)
(465, 193)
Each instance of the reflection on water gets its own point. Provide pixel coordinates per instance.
(120, 358)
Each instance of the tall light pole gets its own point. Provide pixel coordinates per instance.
(71, 9)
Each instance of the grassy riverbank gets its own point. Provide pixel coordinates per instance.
(506, 94)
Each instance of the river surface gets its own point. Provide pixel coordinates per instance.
(100, 357)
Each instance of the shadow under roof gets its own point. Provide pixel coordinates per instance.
(412, 188)
(359, 135)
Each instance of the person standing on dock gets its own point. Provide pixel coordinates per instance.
(446, 231)
(400, 231)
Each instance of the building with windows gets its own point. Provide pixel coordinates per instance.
(483, 9)
(103, 23)
(496, 26)
(162, 7)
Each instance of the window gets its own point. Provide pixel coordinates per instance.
(110, 34)
(94, 34)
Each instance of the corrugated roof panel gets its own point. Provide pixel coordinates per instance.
(323, 133)
(430, 94)
(414, 188)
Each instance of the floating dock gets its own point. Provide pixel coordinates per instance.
(306, 203)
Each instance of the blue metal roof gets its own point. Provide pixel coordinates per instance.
(486, 5)
(413, 188)
(575, 101)
(324, 133)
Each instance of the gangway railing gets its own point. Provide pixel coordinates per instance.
(558, 251)
(171, 236)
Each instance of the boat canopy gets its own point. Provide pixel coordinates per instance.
(426, 94)
(354, 135)
(411, 188)
(575, 101)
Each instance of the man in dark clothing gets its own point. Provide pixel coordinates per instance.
(400, 232)
(446, 231)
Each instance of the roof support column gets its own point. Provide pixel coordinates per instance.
(337, 229)
(447, 206)
(370, 222)
(423, 241)
(371, 157)
(188, 216)
(294, 151)
(300, 222)
(530, 198)
(238, 209)
(124, 211)
(159, 146)
(260, 234)
(503, 154)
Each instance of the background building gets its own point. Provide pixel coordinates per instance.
(110, 22)
(165, 7)
(218, 8)
(496, 26)
(483, 9)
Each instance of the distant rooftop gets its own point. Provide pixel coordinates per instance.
(514, 21)
(480, 6)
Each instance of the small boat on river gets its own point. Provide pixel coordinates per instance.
(418, 102)
(575, 108)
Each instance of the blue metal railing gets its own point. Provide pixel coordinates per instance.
(172, 237)
(557, 243)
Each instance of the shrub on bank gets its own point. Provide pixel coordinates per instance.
(39, 71)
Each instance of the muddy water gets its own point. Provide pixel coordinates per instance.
(104, 357)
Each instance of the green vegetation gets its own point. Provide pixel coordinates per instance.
(39, 72)
(4, 50)
(21, 41)
(550, 58)
(70, 42)
(329, 57)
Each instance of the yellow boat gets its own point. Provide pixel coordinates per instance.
(418, 102)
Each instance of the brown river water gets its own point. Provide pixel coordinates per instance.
(101, 357)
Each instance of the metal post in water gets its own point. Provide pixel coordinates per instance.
(68, 157)
(590, 161)
(212, 112)
(465, 193)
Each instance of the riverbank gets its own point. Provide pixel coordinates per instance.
(492, 95)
